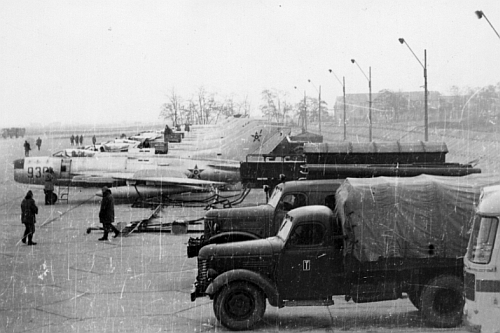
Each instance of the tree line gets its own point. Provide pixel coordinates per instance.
(206, 107)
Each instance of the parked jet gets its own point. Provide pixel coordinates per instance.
(149, 173)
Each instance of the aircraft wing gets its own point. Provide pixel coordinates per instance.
(227, 166)
(97, 179)
(162, 181)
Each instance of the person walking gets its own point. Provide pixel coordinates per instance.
(28, 217)
(39, 143)
(27, 148)
(107, 214)
(49, 187)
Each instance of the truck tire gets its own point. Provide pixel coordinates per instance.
(240, 305)
(442, 301)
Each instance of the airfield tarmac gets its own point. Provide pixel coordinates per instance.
(70, 282)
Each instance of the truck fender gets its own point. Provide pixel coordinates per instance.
(260, 281)
(232, 236)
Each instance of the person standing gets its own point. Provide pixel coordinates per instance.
(28, 217)
(27, 148)
(72, 139)
(107, 214)
(81, 139)
(39, 143)
(49, 187)
(167, 133)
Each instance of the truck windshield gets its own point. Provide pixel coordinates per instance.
(482, 240)
(275, 196)
(285, 228)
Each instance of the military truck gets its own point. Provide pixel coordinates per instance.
(247, 223)
(387, 237)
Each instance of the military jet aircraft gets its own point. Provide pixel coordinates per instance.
(142, 172)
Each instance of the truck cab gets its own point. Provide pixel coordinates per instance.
(256, 222)
(290, 269)
(482, 265)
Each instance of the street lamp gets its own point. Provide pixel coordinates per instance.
(480, 15)
(369, 78)
(424, 66)
(319, 105)
(343, 90)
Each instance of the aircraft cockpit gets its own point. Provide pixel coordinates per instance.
(67, 153)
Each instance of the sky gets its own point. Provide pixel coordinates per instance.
(91, 62)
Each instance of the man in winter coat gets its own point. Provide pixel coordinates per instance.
(27, 148)
(49, 187)
(107, 214)
(28, 217)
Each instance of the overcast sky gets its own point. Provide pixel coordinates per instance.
(103, 61)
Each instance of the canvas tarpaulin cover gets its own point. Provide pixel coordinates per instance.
(414, 217)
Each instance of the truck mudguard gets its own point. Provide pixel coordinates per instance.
(232, 236)
(245, 275)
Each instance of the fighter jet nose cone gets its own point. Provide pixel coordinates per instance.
(19, 164)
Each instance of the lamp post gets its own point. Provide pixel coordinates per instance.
(480, 15)
(369, 78)
(424, 66)
(319, 105)
(343, 91)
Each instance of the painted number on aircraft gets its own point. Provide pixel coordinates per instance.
(36, 172)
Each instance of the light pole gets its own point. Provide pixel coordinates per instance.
(369, 78)
(343, 90)
(319, 105)
(480, 15)
(424, 66)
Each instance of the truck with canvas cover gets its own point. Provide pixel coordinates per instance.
(386, 237)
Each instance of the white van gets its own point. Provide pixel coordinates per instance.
(482, 265)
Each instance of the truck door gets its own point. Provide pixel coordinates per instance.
(309, 264)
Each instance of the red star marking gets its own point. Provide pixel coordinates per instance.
(195, 173)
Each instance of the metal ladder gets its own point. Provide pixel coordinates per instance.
(63, 191)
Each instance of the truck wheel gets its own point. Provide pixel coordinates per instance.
(240, 305)
(415, 299)
(442, 301)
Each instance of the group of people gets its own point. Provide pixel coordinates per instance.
(76, 140)
(29, 210)
(27, 146)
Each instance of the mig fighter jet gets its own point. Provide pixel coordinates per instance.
(141, 172)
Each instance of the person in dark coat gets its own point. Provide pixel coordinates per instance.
(167, 133)
(28, 217)
(27, 148)
(49, 179)
(38, 143)
(81, 139)
(72, 139)
(107, 214)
